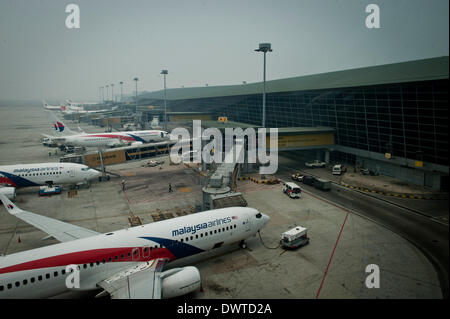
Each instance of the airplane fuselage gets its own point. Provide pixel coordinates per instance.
(41, 273)
(115, 139)
(23, 175)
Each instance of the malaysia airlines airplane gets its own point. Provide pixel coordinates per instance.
(72, 109)
(24, 175)
(75, 104)
(80, 110)
(126, 264)
(51, 107)
(106, 139)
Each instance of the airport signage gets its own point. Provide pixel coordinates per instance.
(194, 228)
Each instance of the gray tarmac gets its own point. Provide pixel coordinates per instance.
(255, 272)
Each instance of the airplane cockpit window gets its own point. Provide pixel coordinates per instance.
(259, 215)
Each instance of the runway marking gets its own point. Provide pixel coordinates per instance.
(331, 257)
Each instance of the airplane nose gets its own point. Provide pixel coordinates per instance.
(94, 173)
(266, 219)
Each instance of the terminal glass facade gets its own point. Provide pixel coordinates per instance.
(404, 119)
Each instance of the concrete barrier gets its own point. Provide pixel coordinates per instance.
(407, 195)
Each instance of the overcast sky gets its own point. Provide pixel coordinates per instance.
(199, 42)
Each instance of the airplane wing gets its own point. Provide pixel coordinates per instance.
(55, 228)
(142, 281)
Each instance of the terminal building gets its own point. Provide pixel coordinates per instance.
(392, 119)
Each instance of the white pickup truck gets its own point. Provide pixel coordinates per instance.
(315, 164)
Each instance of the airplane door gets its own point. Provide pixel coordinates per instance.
(247, 223)
(135, 254)
(145, 252)
(72, 172)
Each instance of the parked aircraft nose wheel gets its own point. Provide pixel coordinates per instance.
(107, 177)
(243, 244)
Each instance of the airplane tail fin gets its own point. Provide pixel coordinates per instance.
(58, 125)
(81, 130)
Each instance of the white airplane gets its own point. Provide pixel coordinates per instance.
(126, 264)
(51, 107)
(24, 175)
(105, 139)
(75, 104)
(66, 109)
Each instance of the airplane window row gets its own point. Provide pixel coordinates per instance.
(37, 174)
(32, 280)
(84, 266)
(122, 256)
(211, 232)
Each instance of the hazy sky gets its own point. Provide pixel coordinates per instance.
(199, 42)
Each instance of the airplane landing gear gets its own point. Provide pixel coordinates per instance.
(243, 244)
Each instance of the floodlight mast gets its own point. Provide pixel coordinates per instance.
(165, 72)
(264, 47)
(136, 79)
(112, 92)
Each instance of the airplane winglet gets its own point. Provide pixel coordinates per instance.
(10, 207)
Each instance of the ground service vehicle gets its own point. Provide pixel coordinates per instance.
(315, 164)
(49, 190)
(322, 184)
(294, 238)
(337, 169)
(297, 177)
(292, 190)
(308, 180)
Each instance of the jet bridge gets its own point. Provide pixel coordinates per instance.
(122, 155)
(219, 190)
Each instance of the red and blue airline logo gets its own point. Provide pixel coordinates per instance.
(10, 206)
(58, 126)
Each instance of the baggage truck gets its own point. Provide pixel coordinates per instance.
(294, 238)
(49, 190)
(322, 184)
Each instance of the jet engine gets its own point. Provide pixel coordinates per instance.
(180, 281)
(9, 192)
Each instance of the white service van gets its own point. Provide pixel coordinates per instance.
(292, 190)
(337, 169)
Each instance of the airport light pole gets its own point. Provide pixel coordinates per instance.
(121, 86)
(264, 47)
(107, 92)
(165, 72)
(112, 92)
(136, 79)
